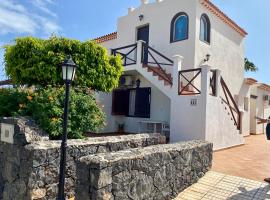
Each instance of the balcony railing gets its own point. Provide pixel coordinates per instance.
(188, 83)
(128, 54)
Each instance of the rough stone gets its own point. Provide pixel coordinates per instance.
(30, 166)
(38, 194)
(154, 172)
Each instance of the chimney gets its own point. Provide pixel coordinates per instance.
(130, 10)
(144, 2)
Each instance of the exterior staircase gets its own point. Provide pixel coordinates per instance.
(162, 75)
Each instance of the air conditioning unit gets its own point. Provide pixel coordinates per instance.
(266, 97)
(126, 81)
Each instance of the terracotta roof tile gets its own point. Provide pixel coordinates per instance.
(264, 86)
(216, 11)
(5, 82)
(105, 38)
(250, 81)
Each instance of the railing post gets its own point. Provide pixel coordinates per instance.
(177, 66)
(139, 51)
(217, 82)
(205, 79)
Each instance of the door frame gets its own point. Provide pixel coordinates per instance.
(144, 51)
(142, 26)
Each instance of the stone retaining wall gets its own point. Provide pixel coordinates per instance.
(156, 172)
(29, 167)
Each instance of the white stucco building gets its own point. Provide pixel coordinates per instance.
(184, 73)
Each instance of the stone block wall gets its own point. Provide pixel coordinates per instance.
(155, 172)
(29, 167)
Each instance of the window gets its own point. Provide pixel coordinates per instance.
(179, 27)
(132, 102)
(205, 29)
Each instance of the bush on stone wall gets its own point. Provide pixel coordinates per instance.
(12, 101)
(45, 106)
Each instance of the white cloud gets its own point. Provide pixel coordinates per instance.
(43, 6)
(15, 22)
(16, 18)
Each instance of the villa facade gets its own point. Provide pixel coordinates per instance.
(184, 73)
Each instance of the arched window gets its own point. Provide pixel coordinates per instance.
(205, 29)
(179, 27)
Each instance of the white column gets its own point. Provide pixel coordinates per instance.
(177, 66)
(241, 122)
(218, 73)
(139, 51)
(205, 80)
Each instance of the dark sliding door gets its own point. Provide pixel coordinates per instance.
(132, 102)
(143, 34)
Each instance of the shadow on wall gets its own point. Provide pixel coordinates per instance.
(260, 193)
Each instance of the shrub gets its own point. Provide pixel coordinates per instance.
(45, 106)
(33, 61)
(12, 101)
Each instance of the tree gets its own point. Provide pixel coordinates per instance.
(33, 61)
(36, 62)
(250, 66)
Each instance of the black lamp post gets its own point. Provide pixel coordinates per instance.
(68, 73)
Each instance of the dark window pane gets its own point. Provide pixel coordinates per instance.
(120, 101)
(205, 29)
(143, 102)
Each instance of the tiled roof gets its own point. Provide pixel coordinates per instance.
(216, 11)
(107, 37)
(264, 86)
(5, 82)
(250, 81)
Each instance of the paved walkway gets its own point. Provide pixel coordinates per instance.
(251, 160)
(217, 186)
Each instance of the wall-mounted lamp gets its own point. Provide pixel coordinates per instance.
(141, 16)
(138, 83)
(207, 58)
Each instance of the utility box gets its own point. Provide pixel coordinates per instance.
(7, 133)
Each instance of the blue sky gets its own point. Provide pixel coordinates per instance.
(86, 19)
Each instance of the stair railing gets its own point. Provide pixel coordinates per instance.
(155, 56)
(230, 102)
(126, 53)
(213, 78)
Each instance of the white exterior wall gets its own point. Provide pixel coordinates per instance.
(158, 16)
(245, 92)
(159, 110)
(226, 49)
(206, 120)
(220, 129)
(263, 109)
(259, 108)
(110, 44)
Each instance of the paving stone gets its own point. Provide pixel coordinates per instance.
(217, 186)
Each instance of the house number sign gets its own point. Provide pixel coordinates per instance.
(7, 133)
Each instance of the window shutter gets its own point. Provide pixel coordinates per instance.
(143, 102)
(120, 102)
